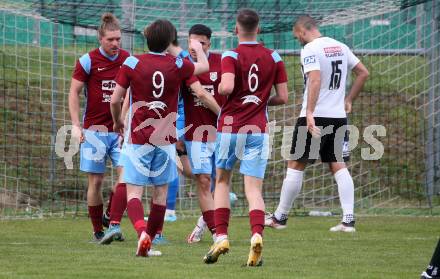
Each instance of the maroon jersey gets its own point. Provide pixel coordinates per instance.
(154, 80)
(256, 70)
(196, 113)
(98, 71)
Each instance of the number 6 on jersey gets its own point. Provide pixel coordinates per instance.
(253, 76)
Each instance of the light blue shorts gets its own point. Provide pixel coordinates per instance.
(95, 149)
(201, 156)
(148, 165)
(180, 123)
(251, 149)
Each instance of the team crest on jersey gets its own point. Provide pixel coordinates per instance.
(156, 105)
(213, 76)
(251, 99)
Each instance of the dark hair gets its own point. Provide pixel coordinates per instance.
(175, 42)
(159, 35)
(200, 29)
(306, 21)
(248, 19)
(108, 23)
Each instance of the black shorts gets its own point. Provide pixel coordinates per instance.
(332, 146)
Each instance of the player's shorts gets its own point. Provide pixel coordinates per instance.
(148, 165)
(251, 149)
(201, 156)
(95, 150)
(332, 146)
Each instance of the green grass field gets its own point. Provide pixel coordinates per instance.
(383, 247)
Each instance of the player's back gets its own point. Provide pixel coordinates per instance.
(154, 81)
(334, 60)
(256, 70)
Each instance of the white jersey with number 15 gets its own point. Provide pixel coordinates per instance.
(334, 60)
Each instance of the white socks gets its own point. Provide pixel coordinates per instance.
(201, 222)
(346, 194)
(290, 190)
(292, 186)
(221, 237)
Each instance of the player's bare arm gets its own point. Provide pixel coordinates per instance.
(205, 97)
(227, 84)
(362, 74)
(281, 95)
(76, 88)
(125, 105)
(115, 107)
(124, 110)
(202, 65)
(314, 85)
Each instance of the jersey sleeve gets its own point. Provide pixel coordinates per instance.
(82, 68)
(229, 59)
(309, 60)
(352, 60)
(191, 80)
(183, 54)
(280, 69)
(186, 68)
(123, 78)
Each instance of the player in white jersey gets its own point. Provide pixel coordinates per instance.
(321, 128)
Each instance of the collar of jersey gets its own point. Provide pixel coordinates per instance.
(322, 37)
(112, 58)
(183, 54)
(249, 43)
(157, 53)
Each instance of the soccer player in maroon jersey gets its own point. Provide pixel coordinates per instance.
(205, 98)
(96, 72)
(248, 74)
(200, 138)
(148, 154)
